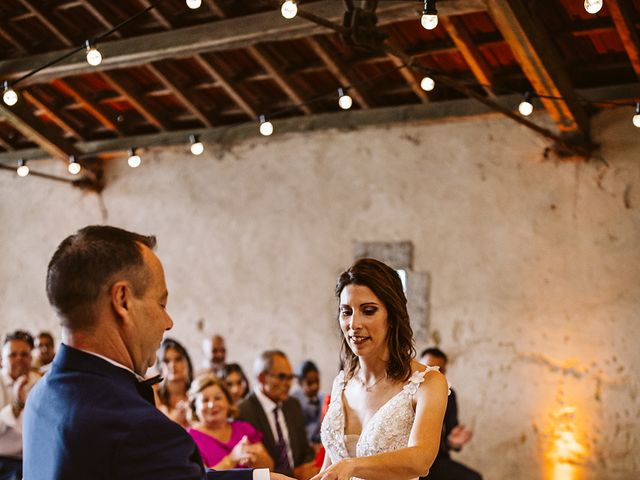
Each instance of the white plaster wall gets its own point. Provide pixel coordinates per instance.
(535, 264)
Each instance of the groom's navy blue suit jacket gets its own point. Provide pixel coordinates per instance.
(86, 420)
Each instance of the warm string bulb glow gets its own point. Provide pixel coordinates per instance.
(94, 57)
(23, 169)
(134, 159)
(429, 18)
(194, 4)
(9, 96)
(344, 101)
(73, 167)
(427, 84)
(593, 6)
(526, 107)
(636, 117)
(196, 147)
(266, 127)
(289, 9)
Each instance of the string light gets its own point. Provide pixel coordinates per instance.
(427, 84)
(636, 117)
(266, 127)
(197, 147)
(23, 169)
(429, 18)
(289, 9)
(194, 4)
(526, 107)
(10, 97)
(94, 57)
(73, 167)
(134, 159)
(593, 6)
(344, 100)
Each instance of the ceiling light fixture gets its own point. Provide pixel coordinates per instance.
(344, 100)
(289, 9)
(266, 127)
(134, 159)
(194, 4)
(94, 57)
(636, 117)
(196, 147)
(526, 107)
(427, 83)
(593, 6)
(10, 97)
(73, 167)
(429, 18)
(23, 169)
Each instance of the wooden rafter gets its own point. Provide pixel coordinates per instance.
(118, 82)
(220, 35)
(322, 47)
(38, 131)
(469, 51)
(42, 105)
(409, 75)
(264, 59)
(623, 14)
(541, 64)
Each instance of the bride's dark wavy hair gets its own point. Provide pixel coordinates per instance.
(385, 282)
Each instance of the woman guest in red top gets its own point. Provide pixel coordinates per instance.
(224, 443)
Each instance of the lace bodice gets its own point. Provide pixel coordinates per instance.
(387, 430)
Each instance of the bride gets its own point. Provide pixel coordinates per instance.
(385, 416)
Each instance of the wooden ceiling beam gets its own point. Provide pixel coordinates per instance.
(41, 133)
(408, 73)
(182, 92)
(215, 7)
(43, 16)
(623, 14)
(541, 63)
(339, 69)
(101, 113)
(124, 87)
(42, 105)
(220, 35)
(231, 88)
(469, 51)
(264, 59)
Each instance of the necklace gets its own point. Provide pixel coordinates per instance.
(368, 388)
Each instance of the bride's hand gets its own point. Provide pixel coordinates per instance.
(343, 470)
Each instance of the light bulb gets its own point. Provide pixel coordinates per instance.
(23, 169)
(134, 160)
(427, 84)
(525, 108)
(73, 167)
(10, 97)
(193, 4)
(636, 120)
(429, 22)
(289, 9)
(94, 57)
(593, 6)
(197, 147)
(266, 127)
(344, 100)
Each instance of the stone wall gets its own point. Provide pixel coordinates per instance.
(533, 266)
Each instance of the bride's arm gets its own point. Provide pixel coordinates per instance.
(424, 441)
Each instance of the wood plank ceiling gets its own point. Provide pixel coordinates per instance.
(173, 71)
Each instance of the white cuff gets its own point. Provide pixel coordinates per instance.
(261, 474)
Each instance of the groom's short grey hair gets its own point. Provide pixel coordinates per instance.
(264, 362)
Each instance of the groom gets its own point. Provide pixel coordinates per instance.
(92, 416)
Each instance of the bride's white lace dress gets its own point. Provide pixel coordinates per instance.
(387, 430)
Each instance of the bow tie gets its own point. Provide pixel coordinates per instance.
(145, 388)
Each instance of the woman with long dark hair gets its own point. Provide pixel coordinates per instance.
(177, 372)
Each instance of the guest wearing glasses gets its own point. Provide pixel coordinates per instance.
(278, 416)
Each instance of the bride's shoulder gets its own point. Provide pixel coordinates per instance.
(428, 378)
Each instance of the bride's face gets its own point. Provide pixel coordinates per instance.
(363, 320)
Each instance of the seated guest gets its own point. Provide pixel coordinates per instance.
(311, 400)
(177, 372)
(44, 352)
(279, 417)
(17, 380)
(454, 435)
(223, 442)
(235, 380)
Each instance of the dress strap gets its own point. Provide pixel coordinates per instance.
(338, 386)
(417, 378)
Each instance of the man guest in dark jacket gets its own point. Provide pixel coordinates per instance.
(278, 416)
(92, 416)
